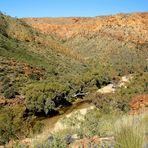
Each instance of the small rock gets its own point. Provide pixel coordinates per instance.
(69, 139)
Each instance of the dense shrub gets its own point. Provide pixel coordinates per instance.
(6, 81)
(9, 93)
(104, 102)
(8, 89)
(45, 97)
(13, 125)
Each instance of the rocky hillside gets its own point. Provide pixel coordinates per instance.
(111, 40)
(127, 27)
(46, 64)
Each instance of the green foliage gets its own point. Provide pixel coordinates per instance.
(62, 73)
(102, 102)
(91, 124)
(40, 96)
(18, 145)
(129, 137)
(38, 127)
(130, 132)
(8, 89)
(49, 105)
(12, 49)
(58, 142)
(55, 141)
(120, 100)
(3, 24)
(120, 56)
(13, 125)
(9, 93)
(6, 81)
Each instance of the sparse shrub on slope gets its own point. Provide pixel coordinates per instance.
(120, 100)
(55, 141)
(3, 23)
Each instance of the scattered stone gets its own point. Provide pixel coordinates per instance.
(92, 142)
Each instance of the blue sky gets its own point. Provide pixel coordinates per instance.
(58, 8)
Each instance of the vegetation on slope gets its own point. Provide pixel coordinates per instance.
(26, 64)
(40, 74)
(108, 125)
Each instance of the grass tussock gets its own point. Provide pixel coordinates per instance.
(130, 132)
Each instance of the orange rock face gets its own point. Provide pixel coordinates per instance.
(130, 27)
(139, 102)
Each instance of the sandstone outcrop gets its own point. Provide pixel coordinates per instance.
(130, 27)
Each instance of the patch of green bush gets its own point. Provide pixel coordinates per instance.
(9, 93)
(8, 89)
(13, 125)
(38, 127)
(43, 97)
